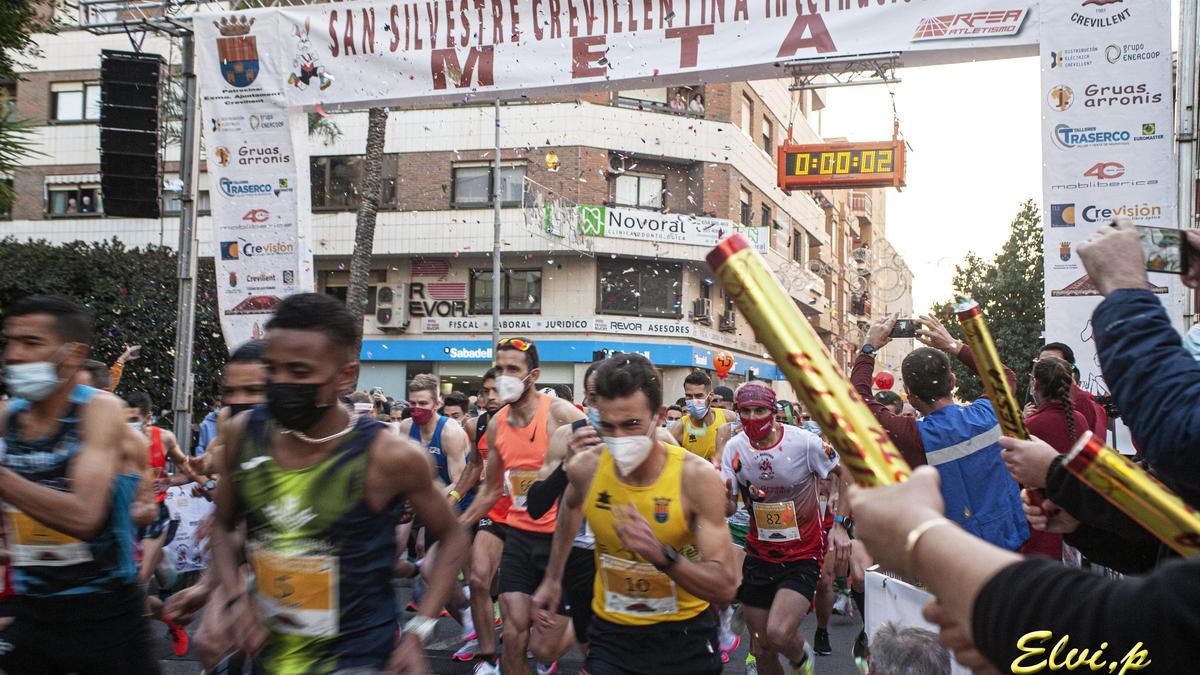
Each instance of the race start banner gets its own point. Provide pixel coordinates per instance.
(1107, 150)
(259, 69)
(257, 152)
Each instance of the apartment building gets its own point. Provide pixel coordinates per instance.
(642, 158)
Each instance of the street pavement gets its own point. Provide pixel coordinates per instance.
(842, 633)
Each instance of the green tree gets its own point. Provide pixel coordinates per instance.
(1009, 291)
(132, 294)
(19, 20)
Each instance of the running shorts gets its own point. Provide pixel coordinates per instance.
(669, 648)
(761, 579)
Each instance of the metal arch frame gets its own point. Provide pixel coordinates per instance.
(843, 71)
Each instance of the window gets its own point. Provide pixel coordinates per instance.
(745, 213)
(747, 114)
(75, 102)
(520, 292)
(638, 190)
(766, 215)
(640, 287)
(336, 181)
(172, 186)
(768, 140)
(69, 199)
(337, 283)
(799, 244)
(473, 185)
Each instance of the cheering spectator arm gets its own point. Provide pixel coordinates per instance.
(902, 428)
(1154, 380)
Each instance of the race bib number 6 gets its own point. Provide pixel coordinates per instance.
(518, 482)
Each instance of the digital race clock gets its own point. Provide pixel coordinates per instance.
(841, 165)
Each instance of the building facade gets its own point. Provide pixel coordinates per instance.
(637, 161)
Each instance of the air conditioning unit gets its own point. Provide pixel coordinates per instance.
(729, 322)
(702, 310)
(391, 312)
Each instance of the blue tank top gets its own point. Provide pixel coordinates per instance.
(434, 447)
(48, 564)
(322, 558)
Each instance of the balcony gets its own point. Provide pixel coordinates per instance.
(862, 206)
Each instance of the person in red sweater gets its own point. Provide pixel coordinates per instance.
(1082, 399)
(1057, 422)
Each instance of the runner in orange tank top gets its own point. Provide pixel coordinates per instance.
(518, 438)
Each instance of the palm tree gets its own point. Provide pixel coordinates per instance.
(368, 209)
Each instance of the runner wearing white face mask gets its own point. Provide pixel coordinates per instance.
(518, 439)
(662, 550)
(696, 431)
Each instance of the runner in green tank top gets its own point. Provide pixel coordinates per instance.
(319, 491)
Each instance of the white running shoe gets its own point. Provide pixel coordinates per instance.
(485, 668)
(728, 640)
(547, 668)
(466, 653)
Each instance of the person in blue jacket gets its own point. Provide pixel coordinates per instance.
(1153, 379)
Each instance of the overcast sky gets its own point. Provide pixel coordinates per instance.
(975, 136)
(974, 132)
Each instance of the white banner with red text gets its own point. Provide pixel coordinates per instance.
(1107, 150)
(381, 51)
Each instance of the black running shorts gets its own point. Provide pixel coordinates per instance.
(761, 579)
(668, 648)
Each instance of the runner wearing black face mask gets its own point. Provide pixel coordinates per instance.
(243, 386)
(317, 489)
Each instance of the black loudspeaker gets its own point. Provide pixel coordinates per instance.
(131, 89)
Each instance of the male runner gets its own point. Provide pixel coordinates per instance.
(318, 490)
(662, 550)
(697, 430)
(67, 484)
(243, 386)
(446, 443)
(489, 530)
(444, 439)
(776, 469)
(518, 439)
(162, 446)
(456, 407)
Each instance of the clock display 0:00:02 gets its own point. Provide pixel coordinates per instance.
(841, 162)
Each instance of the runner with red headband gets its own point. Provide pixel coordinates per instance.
(776, 470)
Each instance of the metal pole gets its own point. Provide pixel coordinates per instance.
(185, 313)
(1185, 135)
(496, 236)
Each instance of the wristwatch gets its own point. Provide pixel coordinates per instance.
(868, 349)
(672, 557)
(421, 626)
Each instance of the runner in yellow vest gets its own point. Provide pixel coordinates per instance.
(696, 431)
(662, 551)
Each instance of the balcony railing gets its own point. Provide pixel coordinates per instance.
(861, 204)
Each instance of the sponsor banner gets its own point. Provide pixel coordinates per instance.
(382, 51)
(184, 552)
(549, 324)
(1107, 150)
(616, 222)
(258, 163)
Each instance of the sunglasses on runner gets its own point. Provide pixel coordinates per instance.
(515, 343)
